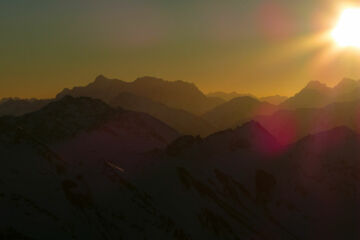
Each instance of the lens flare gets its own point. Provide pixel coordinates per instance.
(347, 31)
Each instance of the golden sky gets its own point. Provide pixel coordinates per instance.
(263, 47)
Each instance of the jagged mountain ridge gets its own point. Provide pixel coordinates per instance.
(17, 107)
(317, 94)
(276, 99)
(114, 202)
(290, 125)
(310, 180)
(83, 117)
(224, 186)
(178, 94)
(228, 96)
(237, 111)
(46, 195)
(217, 118)
(114, 93)
(184, 122)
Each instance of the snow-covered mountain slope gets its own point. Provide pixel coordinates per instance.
(235, 184)
(48, 191)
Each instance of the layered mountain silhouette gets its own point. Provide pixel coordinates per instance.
(161, 99)
(158, 98)
(228, 96)
(317, 94)
(118, 203)
(178, 94)
(17, 106)
(183, 121)
(155, 159)
(290, 125)
(91, 123)
(311, 180)
(78, 168)
(237, 111)
(124, 160)
(276, 99)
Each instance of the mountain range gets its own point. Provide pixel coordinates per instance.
(317, 94)
(185, 108)
(181, 120)
(276, 99)
(237, 111)
(178, 94)
(79, 168)
(17, 106)
(291, 125)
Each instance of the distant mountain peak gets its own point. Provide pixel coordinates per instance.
(315, 94)
(244, 98)
(237, 111)
(146, 80)
(252, 127)
(176, 94)
(259, 137)
(101, 78)
(316, 85)
(275, 99)
(250, 135)
(347, 84)
(78, 106)
(227, 96)
(68, 100)
(69, 116)
(347, 81)
(252, 124)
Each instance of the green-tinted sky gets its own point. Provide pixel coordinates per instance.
(258, 46)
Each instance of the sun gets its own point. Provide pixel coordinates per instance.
(347, 31)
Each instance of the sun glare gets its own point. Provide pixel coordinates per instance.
(347, 31)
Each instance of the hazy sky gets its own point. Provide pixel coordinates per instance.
(260, 46)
